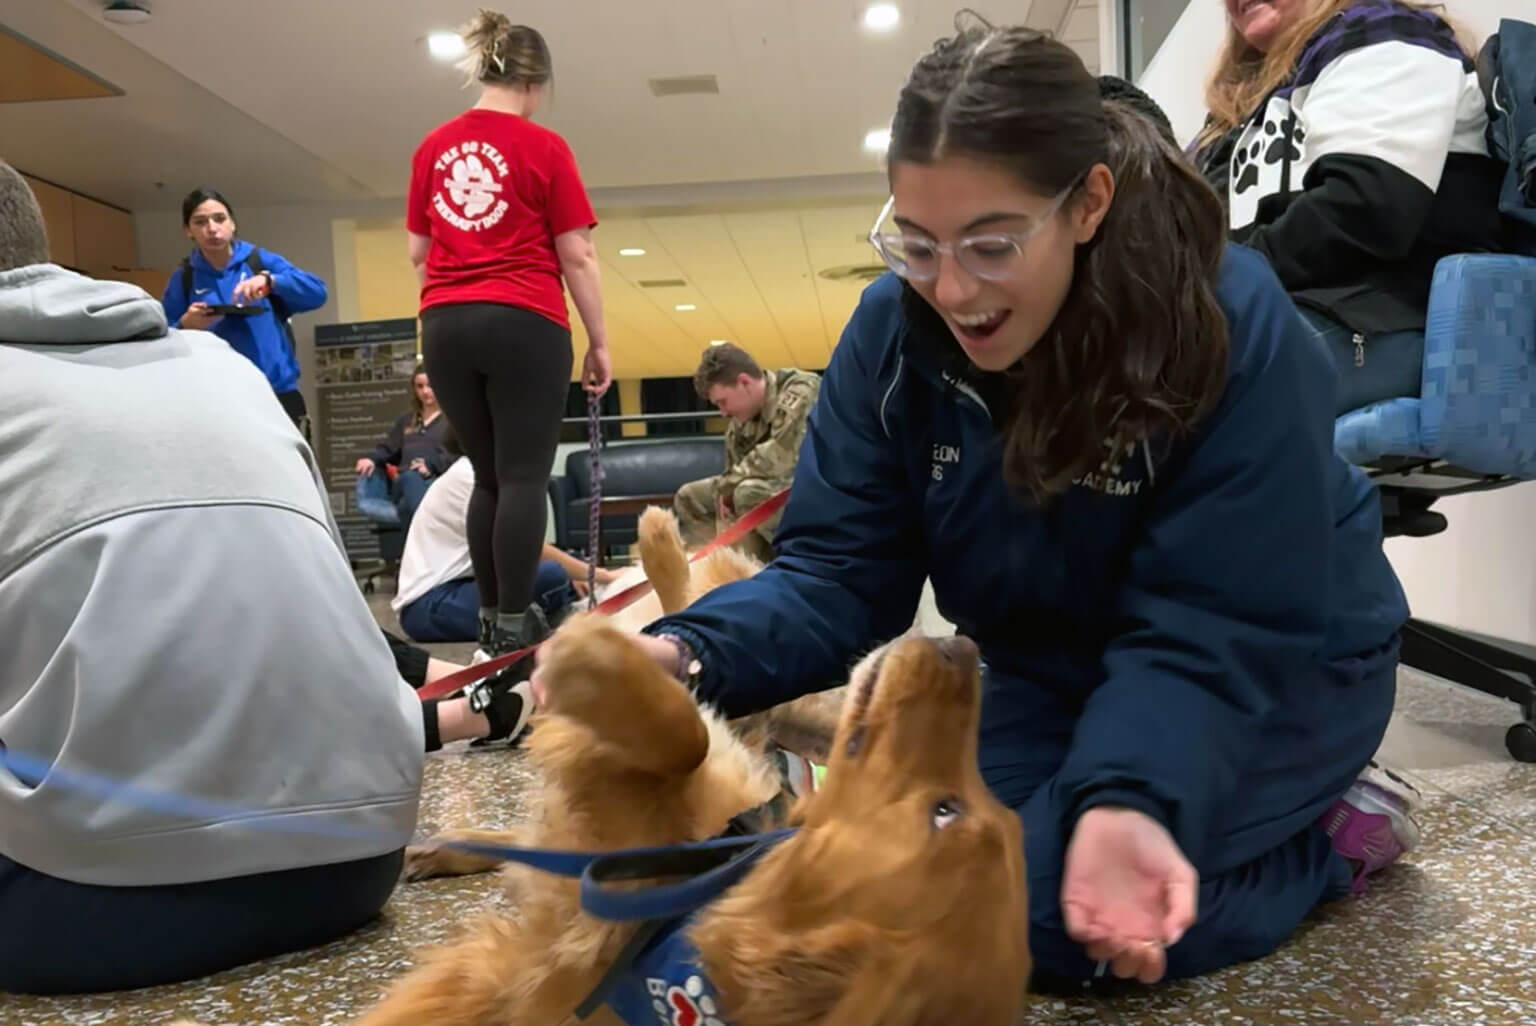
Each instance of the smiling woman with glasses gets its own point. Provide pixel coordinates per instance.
(1094, 426)
(989, 255)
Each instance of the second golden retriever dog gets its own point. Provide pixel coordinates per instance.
(804, 725)
(899, 900)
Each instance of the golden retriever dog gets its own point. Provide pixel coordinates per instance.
(899, 900)
(804, 726)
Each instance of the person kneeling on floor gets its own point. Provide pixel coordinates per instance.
(767, 415)
(1090, 422)
(208, 754)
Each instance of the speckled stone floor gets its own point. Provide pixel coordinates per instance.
(1447, 937)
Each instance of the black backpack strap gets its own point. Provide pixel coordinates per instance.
(279, 308)
(186, 281)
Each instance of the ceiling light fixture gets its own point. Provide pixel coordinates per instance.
(718, 342)
(685, 308)
(445, 46)
(881, 17)
(126, 12)
(632, 251)
(878, 141)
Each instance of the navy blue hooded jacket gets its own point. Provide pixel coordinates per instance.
(259, 337)
(1174, 596)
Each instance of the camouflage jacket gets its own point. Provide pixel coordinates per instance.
(767, 446)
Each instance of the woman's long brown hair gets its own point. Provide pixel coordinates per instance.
(1138, 350)
(1243, 76)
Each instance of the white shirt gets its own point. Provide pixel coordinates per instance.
(436, 549)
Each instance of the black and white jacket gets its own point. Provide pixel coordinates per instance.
(1365, 167)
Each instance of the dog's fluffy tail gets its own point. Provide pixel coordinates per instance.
(663, 558)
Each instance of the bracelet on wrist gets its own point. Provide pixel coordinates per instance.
(688, 666)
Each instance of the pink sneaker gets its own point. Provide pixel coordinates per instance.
(1372, 825)
(800, 775)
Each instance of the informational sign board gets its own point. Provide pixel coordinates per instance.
(363, 382)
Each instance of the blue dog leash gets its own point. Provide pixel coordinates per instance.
(709, 867)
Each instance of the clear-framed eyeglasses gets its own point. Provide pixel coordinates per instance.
(991, 256)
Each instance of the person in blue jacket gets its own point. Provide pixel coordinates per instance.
(1093, 425)
(224, 270)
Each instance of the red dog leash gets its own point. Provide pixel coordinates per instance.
(753, 519)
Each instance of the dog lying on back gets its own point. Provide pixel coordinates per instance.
(899, 900)
(805, 725)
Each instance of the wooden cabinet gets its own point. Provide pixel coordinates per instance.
(150, 279)
(93, 238)
(58, 218)
(103, 237)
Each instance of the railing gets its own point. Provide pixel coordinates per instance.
(632, 418)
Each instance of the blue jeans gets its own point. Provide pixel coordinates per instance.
(1385, 366)
(391, 503)
(451, 611)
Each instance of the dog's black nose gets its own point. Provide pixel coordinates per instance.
(962, 650)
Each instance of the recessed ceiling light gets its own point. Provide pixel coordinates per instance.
(881, 17)
(445, 46)
(878, 141)
(684, 307)
(126, 12)
(632, 251)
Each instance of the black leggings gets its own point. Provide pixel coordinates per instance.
(501, 375)
(62, 937)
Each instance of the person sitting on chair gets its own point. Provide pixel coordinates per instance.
(414, 448)
(1347, 139)
(767, 421)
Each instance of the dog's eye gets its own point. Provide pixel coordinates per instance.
(945, 813)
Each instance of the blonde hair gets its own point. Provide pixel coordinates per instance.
(1243, 76)
(501, 53)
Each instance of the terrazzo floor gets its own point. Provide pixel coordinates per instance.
(1449, 936)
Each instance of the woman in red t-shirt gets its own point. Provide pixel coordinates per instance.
(497, 218)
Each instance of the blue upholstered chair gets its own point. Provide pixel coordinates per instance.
(1473, 428)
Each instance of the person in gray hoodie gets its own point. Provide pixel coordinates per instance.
(208, 754)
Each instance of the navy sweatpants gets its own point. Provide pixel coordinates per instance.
(63, 937)
(1276, 864)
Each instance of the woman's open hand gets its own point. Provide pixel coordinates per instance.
(1127, 891)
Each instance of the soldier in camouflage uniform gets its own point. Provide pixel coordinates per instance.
(767, 415)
